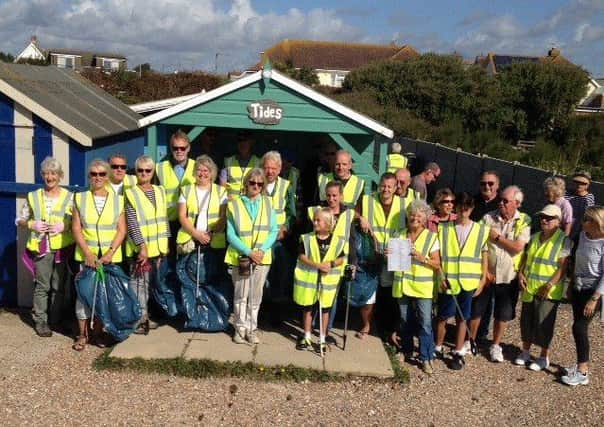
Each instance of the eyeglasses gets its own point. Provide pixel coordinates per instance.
(95, 174)
(489, 183)
(141, 170)
(447, 201)
(256, 183)
(179, 148)
(505, 201)
(122, 167)
(547, 218)
(580, 182)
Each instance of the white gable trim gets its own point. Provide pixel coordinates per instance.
(48, 116)
(162, 104)
(280, 78)
(37, 52)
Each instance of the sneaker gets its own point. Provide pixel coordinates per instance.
(570, 370)
(539, 364)
(522, 359)
(153, 325)
(43, 330)
(322, 347)
(303, 343)
(427, 367)
(576, 377)
(329, 339)
(252, 337)
(457, 362)
(496, 353)
(466, 349)
(238, 337)
(438, 352)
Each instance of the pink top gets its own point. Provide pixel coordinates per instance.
(434, 220)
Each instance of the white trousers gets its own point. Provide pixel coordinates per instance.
(247, 297)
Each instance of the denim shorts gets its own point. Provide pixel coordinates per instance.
(446, 305)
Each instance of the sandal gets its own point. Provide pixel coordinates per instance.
(80, 343)
(361, 334)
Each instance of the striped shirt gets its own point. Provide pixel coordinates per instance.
(134, 231)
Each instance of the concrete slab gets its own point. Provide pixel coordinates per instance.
(219, 347)
(365, 357)
(279, 349)
(164, 342)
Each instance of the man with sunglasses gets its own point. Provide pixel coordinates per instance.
(580, 200)
(118, 178)
(487, 199)
(420, 182)
(510, 231)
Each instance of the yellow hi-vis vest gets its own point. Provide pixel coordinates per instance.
(99, 230)
(152, 221)
(419, 282)
(542, 263)
(169, 180)
(383, 228)
(61, 212)
(351, 191)
(307, 290)
(189, 192)
(405, 202)
(462, 266)
(396, 162)
(236, 173)
(342, 227)
(523, 221)
(293, 176)
(253, 234)
(279, 199)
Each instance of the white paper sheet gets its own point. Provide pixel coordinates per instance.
(399, 255)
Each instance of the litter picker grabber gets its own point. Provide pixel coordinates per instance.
(251, 298)
(348, 273)
(321, 337)
(473, 347)
(99, 277)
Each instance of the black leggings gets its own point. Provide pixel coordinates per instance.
(581, 323)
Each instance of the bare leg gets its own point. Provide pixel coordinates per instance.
(440, 332)
(366, 317)
(461, 334)
(498, 330)
(325, 323)
(307, 320)
(474, 323)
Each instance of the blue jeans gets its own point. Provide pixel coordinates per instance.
(417, 311)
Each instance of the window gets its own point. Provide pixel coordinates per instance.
(110, 64)
(65, 61)
(338, 80)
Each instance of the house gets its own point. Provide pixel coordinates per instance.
(331, 61)
(593, 101)
(72, 58)
(49, 111)
(493, 63)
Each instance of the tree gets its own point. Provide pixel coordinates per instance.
(6, 57)
(304, 75)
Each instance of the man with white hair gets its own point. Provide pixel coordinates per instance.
(395, 159)
(342, 172)
(283, 202)
(420, 182)
(509, 233)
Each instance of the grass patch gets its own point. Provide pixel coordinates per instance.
(205, 368)
(401, 375)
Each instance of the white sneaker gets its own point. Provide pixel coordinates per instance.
(238, 338)
(465, 349)
(522, 359)
(253, 338)
(570, 370)
(575, 378)
(539, 364)
(496, 353)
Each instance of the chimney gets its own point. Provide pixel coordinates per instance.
(553, 52)
(34, 39)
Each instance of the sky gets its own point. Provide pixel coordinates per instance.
(229, 35)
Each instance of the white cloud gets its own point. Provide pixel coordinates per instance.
(167, 33)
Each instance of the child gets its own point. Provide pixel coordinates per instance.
(317, 274)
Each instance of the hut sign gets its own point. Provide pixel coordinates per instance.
(266, 112)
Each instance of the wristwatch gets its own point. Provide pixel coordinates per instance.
(594, 298)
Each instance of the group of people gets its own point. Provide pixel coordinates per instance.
(310, 234)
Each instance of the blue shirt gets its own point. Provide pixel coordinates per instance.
(252, 207)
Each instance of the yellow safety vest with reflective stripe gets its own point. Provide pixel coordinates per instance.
(189, 192)
(462, 266)
(522, 222)
(350, 193)
(342, 227)
(99, 230)
(252, 234)
(396, 162)
(419, 282)
(152, 220)
(307, 289)
(405, 202)
(542, 263)
(279, 199)
(236, 173)
(383, 228)
(293, 176)
(61, 212)
(169, 180)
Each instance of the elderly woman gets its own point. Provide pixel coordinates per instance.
(540, 275)
(463, 251)
(586, 292)
(148, 233)
(202, 212)
(443, 204)
(99, 228)
(415, 288)
(554, 189)
(251, 231)
(47, 214)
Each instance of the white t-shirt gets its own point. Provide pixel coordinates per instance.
(117, 188)
(99, 203)
(203, 196)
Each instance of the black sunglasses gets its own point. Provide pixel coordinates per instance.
(95, 174)
(122, 167)
(547, 218)
(256, 183)
(489, 183)
(141, 170)
(178, 148)
(443, 202)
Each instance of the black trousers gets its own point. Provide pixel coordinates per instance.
(581, 323)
